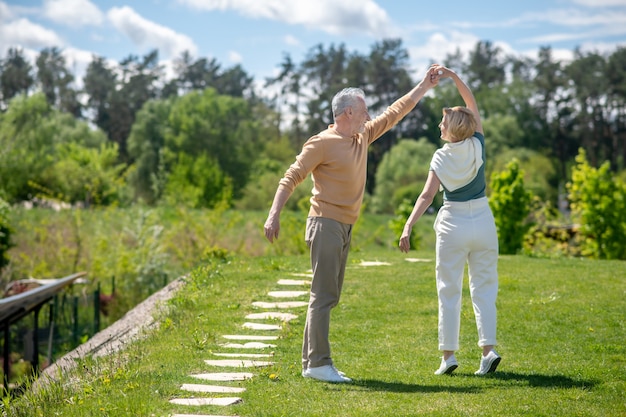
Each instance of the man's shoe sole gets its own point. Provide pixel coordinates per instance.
(346, 380)
(494, 365)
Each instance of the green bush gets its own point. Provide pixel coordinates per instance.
(510, 203)
(397, 224)
(598, 202)
(5, 233)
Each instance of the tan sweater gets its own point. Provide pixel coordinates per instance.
(338, 165)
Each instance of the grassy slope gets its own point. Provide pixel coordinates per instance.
(561, 333)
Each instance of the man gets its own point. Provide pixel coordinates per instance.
(336, 158)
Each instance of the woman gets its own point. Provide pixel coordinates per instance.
(465, 230)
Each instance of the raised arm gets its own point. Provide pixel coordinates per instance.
(465, 92)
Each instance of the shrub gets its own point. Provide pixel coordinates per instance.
(510, 203)
(397, 224)
(5, 233)
(598, 202)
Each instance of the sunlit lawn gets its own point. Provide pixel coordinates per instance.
(561, 336)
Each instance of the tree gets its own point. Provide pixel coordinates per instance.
(387, 79)
(15, 75)
(401, 174)
(100, 83)
(86, 175)
(222, 127)
(486, 67)
(31, 135)
(235, 82)
(588, 76)
(616, 77)
(540, 174)
(227, 132)
(136, 85)
(198, 182)
(288, 99)
(145, 146)
(55, 81)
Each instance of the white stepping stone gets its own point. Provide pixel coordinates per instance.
(224, 376)
(249, 345)
(294, 282)
(211, 388)
(245, 355)
(261, 326)
(272, 315)
(237, 363)
(198, 415)
(302, 274)
(287, 294)
(248, 337)
(417, 260)
(373, 263)
(282, 304)
(206, 401)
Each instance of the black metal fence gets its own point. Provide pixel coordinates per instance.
(45, 323)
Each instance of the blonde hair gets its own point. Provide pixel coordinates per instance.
(461, 122)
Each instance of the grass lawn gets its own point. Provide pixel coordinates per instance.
(560, 329)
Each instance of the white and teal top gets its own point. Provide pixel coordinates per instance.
(461, 169)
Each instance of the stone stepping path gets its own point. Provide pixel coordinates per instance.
(294, 282)
(224, 376)
(282, 304)
(237, 361)
(249, 345)
(261, 326)
(198, 415)
(245, 355)
(248, 337)
(270, 315)
(211, 388)
(206, 401)
(301, 274)
(417, 260)
(373, 263)
(287, 294)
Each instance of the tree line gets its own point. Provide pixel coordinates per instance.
(208, 137)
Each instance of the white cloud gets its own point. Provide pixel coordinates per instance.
(599, 3)
(291, 40)
(337, 18)
(437, 47)
(77, 61)
(576, 17)
(5, 12)
(73, 12)
(235, 57)
(26, 34)
(145, 33)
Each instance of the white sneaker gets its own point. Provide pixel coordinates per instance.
(338, 371)
(489, 363)
(326, 373)
(447, 366)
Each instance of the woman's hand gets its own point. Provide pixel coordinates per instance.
(405, 241)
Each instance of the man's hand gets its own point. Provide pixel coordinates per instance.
(272, 227)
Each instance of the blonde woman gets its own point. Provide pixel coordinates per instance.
(465, 230)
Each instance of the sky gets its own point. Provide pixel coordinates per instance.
(259, 34)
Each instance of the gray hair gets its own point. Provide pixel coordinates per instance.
(347, 97)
